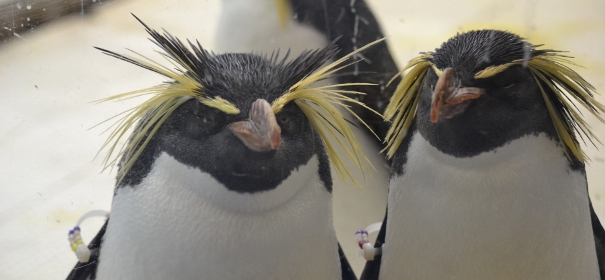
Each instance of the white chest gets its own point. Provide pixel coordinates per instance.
(514, 213)
(182, 224)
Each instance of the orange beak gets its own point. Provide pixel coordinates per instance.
(260, 132)
(449, 99)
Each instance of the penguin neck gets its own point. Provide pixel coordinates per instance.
(517, 210)
(182, 214)
(173, 178)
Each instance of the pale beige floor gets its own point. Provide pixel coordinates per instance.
(48, 177)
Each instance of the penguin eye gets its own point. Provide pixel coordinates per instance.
(283, 118)
(508, 79)
(287, 121)
(210, 119)
(201, 112)
(206, 116)
(207, 119)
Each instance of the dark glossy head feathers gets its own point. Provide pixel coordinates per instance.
(224, 87)
(473, 51)
(517, 90)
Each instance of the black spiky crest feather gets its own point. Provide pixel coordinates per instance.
(317, 103)
(549, 69)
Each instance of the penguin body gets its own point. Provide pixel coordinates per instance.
(227, 172)
(297, 25)
(192, 227)
(517, 212)
(487, 180)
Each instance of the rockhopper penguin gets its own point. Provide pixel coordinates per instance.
(295, 25)
(226, 173)
(488, 177)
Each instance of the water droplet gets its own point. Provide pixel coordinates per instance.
(29, 7)
(27, 19)
(19, 6)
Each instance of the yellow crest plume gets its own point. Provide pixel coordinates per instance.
(165, 98)
(402, 106)
(565, 84)
(549, 69)
(319, 105)
(558, 84)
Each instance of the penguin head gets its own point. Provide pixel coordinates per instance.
(483, 89)
(248, 120)
(463, 114)
(256, 145)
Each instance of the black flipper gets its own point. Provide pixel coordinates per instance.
(599, 239)
(345, 267)
(88, 271)
(372, 269)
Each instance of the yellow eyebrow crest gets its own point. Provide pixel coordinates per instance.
(146, 118)
(493, 70)
(437, 70)
(402, 106)
(319, 104)
(560, 86)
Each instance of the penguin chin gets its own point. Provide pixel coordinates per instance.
(454, 159)
(178, 175)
